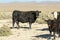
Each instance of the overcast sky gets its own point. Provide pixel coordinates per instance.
(7, 1)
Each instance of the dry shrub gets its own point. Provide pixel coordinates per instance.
(5, 31)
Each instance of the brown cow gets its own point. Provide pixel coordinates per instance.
(54, 25)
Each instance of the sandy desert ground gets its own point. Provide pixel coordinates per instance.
(38, 31)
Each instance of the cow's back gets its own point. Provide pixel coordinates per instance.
(23, 17)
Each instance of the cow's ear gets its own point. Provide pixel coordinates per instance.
(32, 13)
(39, 11)
(52, 13)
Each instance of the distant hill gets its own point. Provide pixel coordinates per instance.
(43, 6)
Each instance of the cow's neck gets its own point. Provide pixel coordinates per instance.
(35, 16)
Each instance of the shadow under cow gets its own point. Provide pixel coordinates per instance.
(44, 29)
(19, 27)
(13, 28)
(42, 36)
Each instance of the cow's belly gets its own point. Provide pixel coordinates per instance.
(23, 20)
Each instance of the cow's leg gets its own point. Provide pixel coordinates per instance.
(13, 23)
(50, 32)
(59, 29)
(59, 32)
(54, 35)
(17, 24)
(49, 35)
(30, 25)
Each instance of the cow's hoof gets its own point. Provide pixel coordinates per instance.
(58, 36)
(53, 39)
(18, 27)
(12, 27)
(30, 28)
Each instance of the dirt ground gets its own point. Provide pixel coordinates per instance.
(38, 31)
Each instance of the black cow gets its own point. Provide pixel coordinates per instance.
(24, 16)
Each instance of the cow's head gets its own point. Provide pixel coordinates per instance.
(37, 13)
(55, 15)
